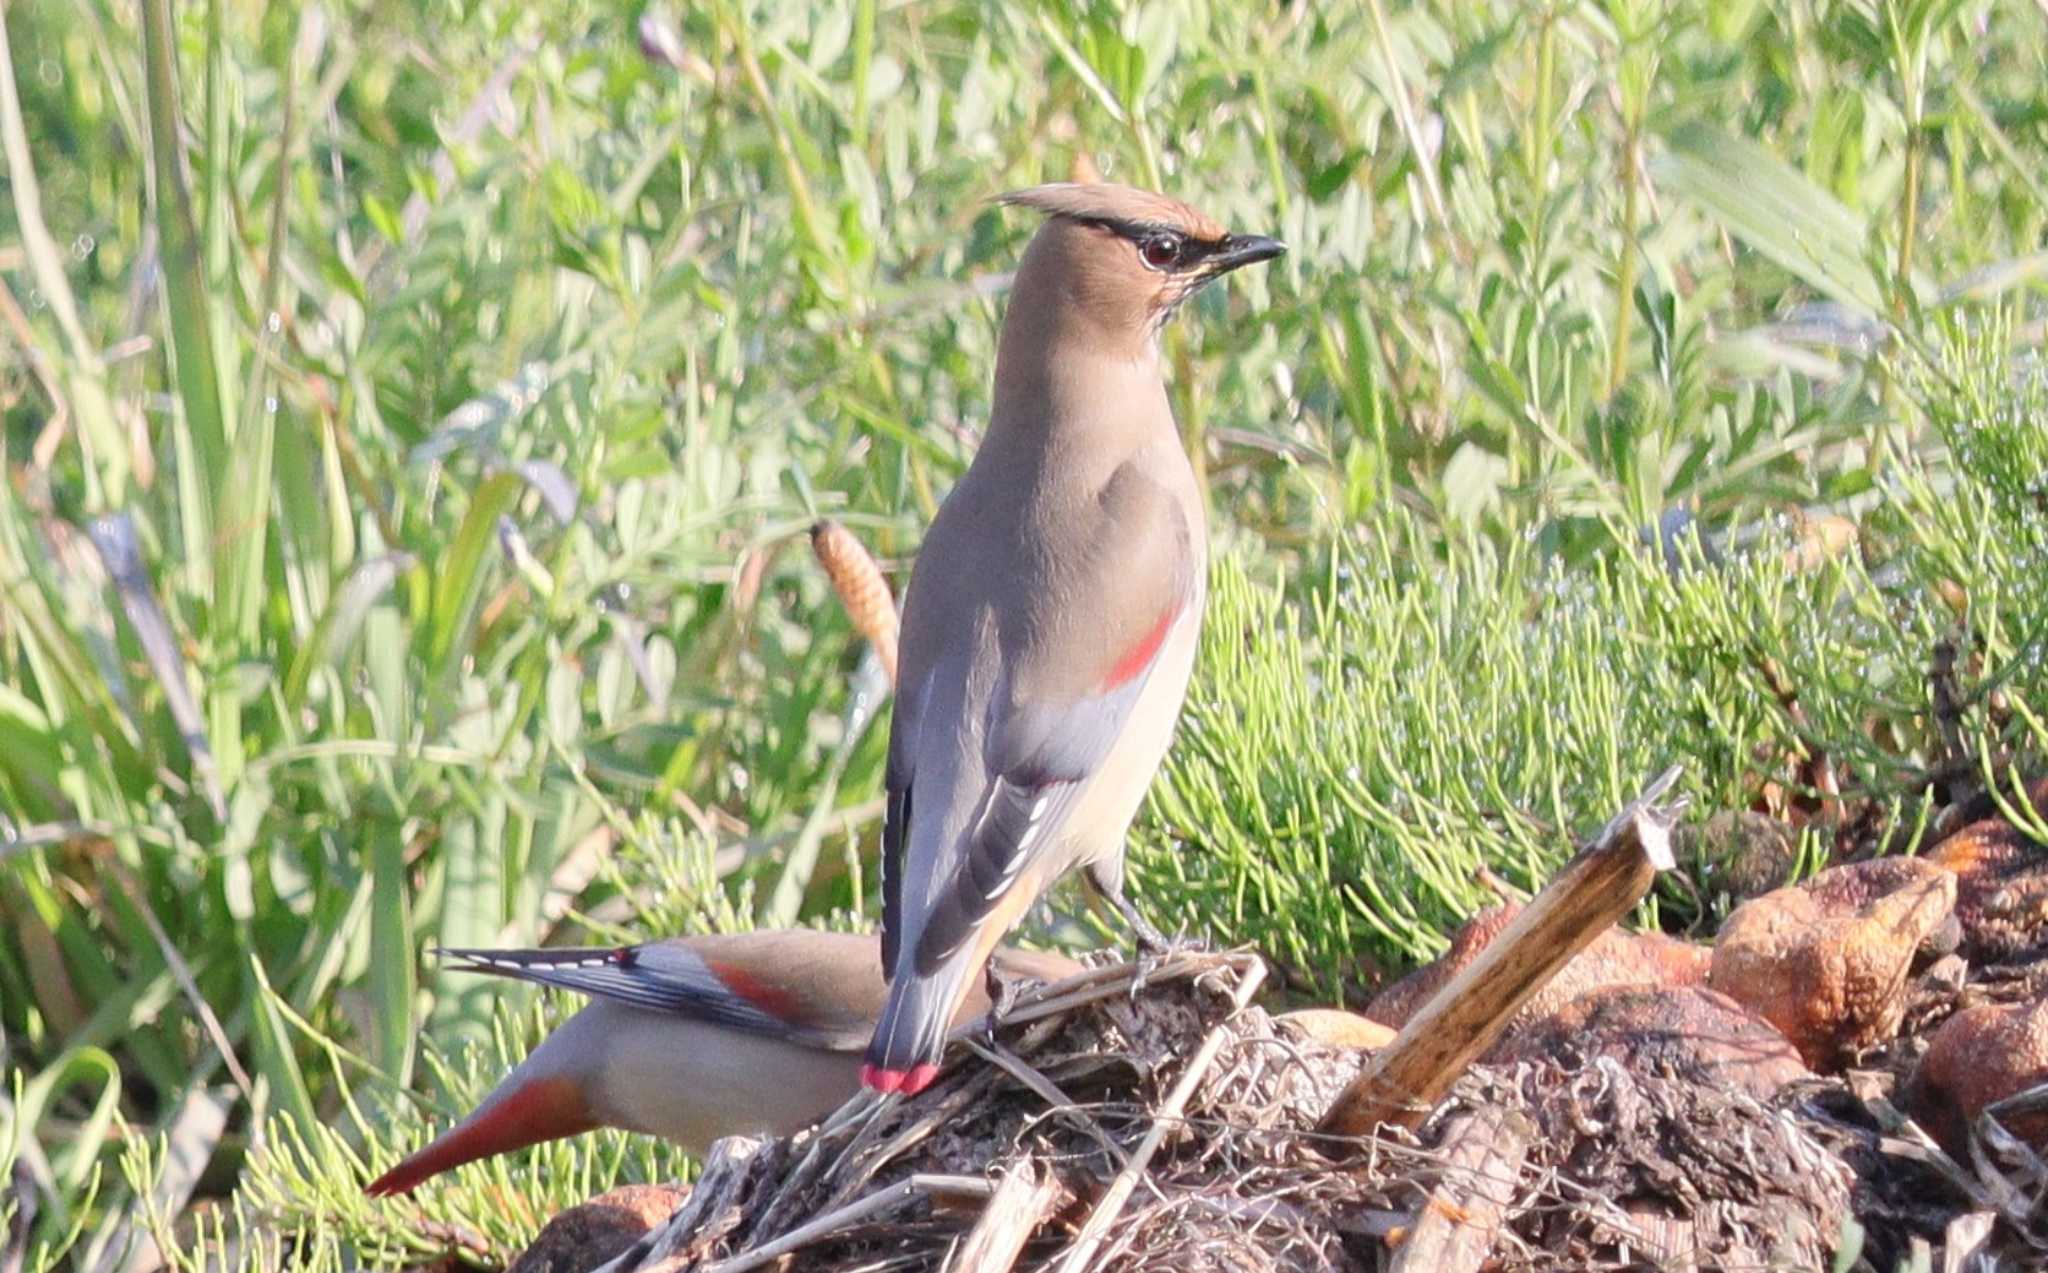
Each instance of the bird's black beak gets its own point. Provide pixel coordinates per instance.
(1244, 249)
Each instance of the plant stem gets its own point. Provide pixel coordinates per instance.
(1625, 259)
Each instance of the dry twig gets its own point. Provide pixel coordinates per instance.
(1021, 1202)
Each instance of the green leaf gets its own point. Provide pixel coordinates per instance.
(1770, 206)
(392, 950)
(459, 573)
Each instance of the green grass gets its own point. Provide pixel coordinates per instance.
(1363, 738)
(461, 379)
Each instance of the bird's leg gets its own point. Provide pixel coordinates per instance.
(1106, 877)
(1002, 997)
(1150, 940)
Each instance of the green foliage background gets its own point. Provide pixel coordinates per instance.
(461, 374)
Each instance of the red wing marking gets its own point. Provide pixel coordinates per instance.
(1140, 656)
(769, 998)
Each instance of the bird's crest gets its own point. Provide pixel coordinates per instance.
(1125, 207)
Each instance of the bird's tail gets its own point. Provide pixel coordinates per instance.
(910, 1037)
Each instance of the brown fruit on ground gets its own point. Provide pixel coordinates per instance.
(1978, 1057)
(593, 1232)
(1826, 961)
(1739, 852)
(1336, 1028)
(2001, 887)
(1616, 958)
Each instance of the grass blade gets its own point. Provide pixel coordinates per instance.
(392, 952)
(190, 335)
(83, 372)
(114, 536)
(459, 575)
(276, 1063)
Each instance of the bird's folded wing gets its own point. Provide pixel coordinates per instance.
(1043, 755)
(667, 977)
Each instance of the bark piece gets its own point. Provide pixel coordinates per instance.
(1461, 1219)
(1404, 1080)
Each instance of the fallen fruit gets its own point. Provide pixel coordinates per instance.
(1826, 961)
(1978, 1057)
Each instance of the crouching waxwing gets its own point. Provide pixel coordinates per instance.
(690, 1039)
(1050, 623)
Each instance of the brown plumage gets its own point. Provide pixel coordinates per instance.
(691, 1039)
(1050, 622)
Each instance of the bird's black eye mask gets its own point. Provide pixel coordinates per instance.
(1162, 247)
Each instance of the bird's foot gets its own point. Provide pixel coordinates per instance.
(1154, 953)
(1003, 993)
(1150, 940)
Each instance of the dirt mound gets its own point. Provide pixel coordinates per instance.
(1173, 1129)
(1152, 1117)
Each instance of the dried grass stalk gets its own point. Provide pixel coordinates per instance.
(861, 588)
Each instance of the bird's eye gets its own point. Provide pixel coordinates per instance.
(1160, 251)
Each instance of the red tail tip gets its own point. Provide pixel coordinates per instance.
(881, 1080)
(909, 1082)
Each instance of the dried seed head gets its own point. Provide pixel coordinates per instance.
(861, 588)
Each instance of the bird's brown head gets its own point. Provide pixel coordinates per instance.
(1118, 262)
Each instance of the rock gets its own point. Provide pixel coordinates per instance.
(1335, 1028)
(1615, 958)
(593, 1232)
(2001, 887)
(1978, 1057)
(1826, 961)
(1689, 1031)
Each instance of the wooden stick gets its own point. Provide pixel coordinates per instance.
(1454, 1234)
(1021, 1202)
(1405, 1079)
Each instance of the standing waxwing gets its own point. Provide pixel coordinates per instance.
(690, 1039)
(1050, 623)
